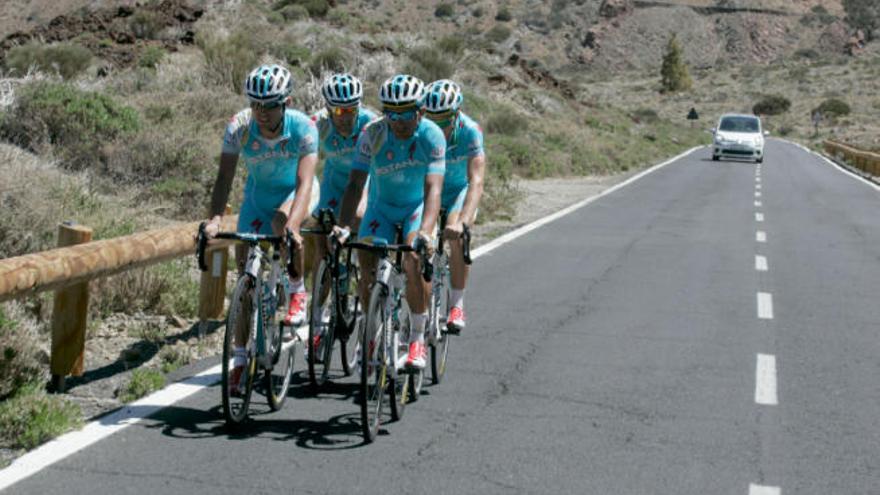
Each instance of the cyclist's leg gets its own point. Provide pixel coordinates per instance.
(459, 271)
(418, 292)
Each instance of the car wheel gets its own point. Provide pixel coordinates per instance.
(759, 160)
(715, 158)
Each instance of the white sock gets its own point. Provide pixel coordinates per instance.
(418, 327)
(456, 298)
(298, 285)
(239, 357)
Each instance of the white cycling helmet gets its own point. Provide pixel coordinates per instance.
(342, 90)
(443, 96)
(269, 83)
(402, 90)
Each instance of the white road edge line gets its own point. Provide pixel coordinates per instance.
(72, 442)
(840, 168)
(765, 306)
(761, 263)
(765, 380)
(763, 490)
(761, 236)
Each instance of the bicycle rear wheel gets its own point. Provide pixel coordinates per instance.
(320, 355)
(349, 311)
(242, 314)
(374, 365)
(439, 310)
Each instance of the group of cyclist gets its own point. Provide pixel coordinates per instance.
(396, 167)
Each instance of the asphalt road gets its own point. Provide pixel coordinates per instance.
(614, 351)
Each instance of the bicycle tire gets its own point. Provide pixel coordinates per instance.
(319, 370)
(400, 389)
(374, 379)
(235, 408)
(439, 310)
(349, 309)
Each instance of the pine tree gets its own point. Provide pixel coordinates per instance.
(674, 73)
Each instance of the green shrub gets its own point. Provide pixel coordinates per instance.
(798, 73)
(142, 383)
(230, 59)
(498, 33)
(429, 64)
(145, 24)
(173, 357)
(32, 417)
(771, 105)
(294, 12)
(478, 12)
(65, 59)
(506, 121)
(451, 46)
(646, 116)
(444, 10)
(833, 108)
(674, 74)
(331, 58)
(19, 362)
(503, 15)
(168, 288)
(292, 54)
(151, 57)
(315, 8)
(75, 123)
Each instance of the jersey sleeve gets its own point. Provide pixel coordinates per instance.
(308, 143)
(436, 143)
(474, 141)
(234, 132)
(364, 153)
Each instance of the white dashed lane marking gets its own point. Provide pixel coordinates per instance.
(764, 490)
(760, 236)
(765, 306)
(760, 263)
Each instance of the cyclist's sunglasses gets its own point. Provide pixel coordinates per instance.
(265, 106)
(443, 120)
(401, 116)
(340, 111)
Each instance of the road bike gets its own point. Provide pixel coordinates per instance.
(384, 338)
(335, 306)
(256, 310)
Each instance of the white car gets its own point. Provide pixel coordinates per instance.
(739, 136)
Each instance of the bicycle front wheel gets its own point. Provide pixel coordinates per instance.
(439, 341)
(321, 329)
(349, 312)
(240, 318)
(374, 364)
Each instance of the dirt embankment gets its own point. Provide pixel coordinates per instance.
(116, 34)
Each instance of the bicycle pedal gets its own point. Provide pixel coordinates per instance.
(410, 370)
(451, 330)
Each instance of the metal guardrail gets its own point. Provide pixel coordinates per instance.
(866, 161)
(69, 268)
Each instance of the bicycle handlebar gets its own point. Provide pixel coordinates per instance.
(466, 244)
(275, 240)
(427, 266)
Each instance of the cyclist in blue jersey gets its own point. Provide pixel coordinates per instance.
(404, 156)
(279, 147)
(463, 184)
(339, 125)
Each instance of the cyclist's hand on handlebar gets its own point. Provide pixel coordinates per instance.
(341, 234)
(423, 239)
(212, 227)
(453, 231)
(296, 238)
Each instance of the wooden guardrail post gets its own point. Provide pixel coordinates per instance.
(69, 316)
(212, 294)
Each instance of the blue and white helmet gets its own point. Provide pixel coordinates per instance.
(269, 83)
(342, 90)
(401, 90)
(443, 96)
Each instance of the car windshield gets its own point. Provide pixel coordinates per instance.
(739, 124)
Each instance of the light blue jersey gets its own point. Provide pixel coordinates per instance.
(338, 153)
(271, 164)
(397, 169)
(465, 143)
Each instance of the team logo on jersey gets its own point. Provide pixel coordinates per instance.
(335, 142)
(374, 226)
(332, 203)
(414, 216)
(389, 155)
(437, 152)
(255, 146)
(283, 145)
(256, 224)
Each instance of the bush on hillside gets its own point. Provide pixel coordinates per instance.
(32, 417)
(444, 10)
(498, 33)
(674, 74)
(65, 59)
(503, 15)
(19, 361)
(151, 57)
(145, 24)
(429, 64)
(833, 108)
(863, 14)
(230, 59)
(315, 8)
(294, 12)
(75, 123)
(332, 58)
(771, 105)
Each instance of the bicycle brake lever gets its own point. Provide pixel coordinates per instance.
(201, 244)
(466, 244)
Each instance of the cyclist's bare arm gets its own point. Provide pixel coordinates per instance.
(433, 187)
(352, 197)
(476, 174)
(220, 193)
